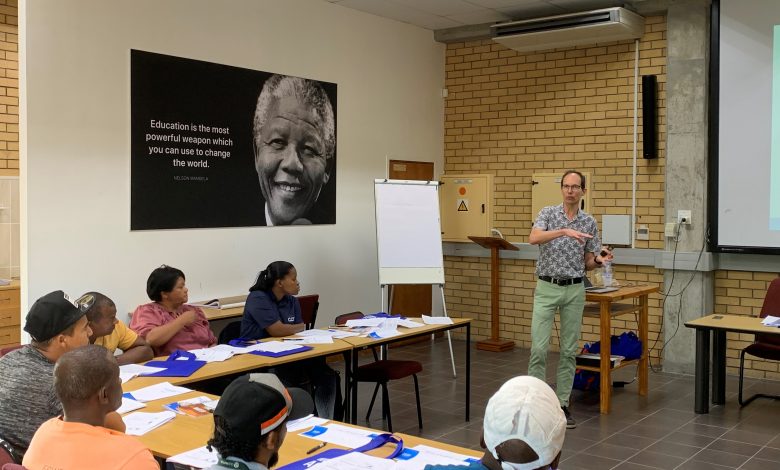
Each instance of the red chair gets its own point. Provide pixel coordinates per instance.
(7, 349)
(764, 346)
(6, 457)
(382, 371)
(309, 306)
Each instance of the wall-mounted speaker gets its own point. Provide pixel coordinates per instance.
(649, 116)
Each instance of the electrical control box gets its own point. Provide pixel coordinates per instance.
(546, 191)
(466, 206)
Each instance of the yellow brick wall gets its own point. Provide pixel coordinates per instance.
(513, 114)
(742, 293)
(9, 88)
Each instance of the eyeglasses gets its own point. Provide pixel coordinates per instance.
(85, 302)
(571, 187)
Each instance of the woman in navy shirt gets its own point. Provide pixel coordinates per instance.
(272, 310)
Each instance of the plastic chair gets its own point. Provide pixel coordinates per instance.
(764, 346)
(382, 371)
(309, 306)
(230, 332)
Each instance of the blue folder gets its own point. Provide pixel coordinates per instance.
(301, 348)
(176, 367)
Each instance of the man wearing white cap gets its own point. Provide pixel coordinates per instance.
(523, 428)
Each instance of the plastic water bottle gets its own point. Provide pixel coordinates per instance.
(606, 273)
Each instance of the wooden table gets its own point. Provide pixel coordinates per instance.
(185, 433)
(242, 363)
(249, 362)
(605, 309)
(213, 314)
(361, 343)
(717, 326)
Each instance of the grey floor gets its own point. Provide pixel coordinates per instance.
(659, 431)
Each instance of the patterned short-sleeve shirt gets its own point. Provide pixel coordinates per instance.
(564, 257)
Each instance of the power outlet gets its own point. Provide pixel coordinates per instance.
(684, 217)
(642, 233)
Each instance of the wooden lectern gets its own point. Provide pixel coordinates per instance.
(494, 244)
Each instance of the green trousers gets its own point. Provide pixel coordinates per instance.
(569, 301)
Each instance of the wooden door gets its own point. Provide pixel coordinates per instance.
(411, 299)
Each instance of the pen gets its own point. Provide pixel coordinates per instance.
(316, 448)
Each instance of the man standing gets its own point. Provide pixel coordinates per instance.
(569, 245)
(112, 334)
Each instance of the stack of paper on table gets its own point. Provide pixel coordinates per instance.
(340, 435)
(156, 392)
(416, 458)
(197, 406)
(436, 320)
(218, 353)
(128, 371)
(129, 405)
(139, 423)
(197, 458)
(770, 320)
(305, 423)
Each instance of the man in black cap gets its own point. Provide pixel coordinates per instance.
(56, 325)
(250, 421)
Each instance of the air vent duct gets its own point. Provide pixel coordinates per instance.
(588, 27)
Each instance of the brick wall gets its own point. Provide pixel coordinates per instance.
(742, 293)
(9, 88)
(513, 114)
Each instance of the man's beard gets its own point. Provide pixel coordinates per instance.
(273, 460)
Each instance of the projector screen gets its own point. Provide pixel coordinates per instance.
(745, 145)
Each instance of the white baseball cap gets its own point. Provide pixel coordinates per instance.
(527, 409)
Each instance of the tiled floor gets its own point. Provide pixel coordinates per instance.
(659, 431)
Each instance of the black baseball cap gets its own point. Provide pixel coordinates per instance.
(51, 315)
(255, 404)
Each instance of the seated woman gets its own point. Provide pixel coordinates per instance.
(167, 323)
(271, 310)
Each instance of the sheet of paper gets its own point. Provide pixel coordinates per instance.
(341, 435)
(231, 305)
(215, 354)
(129, 405)
(126, 376)
(436, 320)
(355, 461)
(139, 423)
(158, 391)
(406, 323)
(770, 320)
(344, 334)
(198, 458)
(365, 322)
(305, 423)
(138, 369)
(311, 340)
(306, 333)
(275, 346)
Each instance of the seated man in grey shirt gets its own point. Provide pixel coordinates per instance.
(27, 399)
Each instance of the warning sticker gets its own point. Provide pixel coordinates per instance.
(463, 205)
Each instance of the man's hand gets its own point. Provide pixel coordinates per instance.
(579, 236)
(604, 255)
